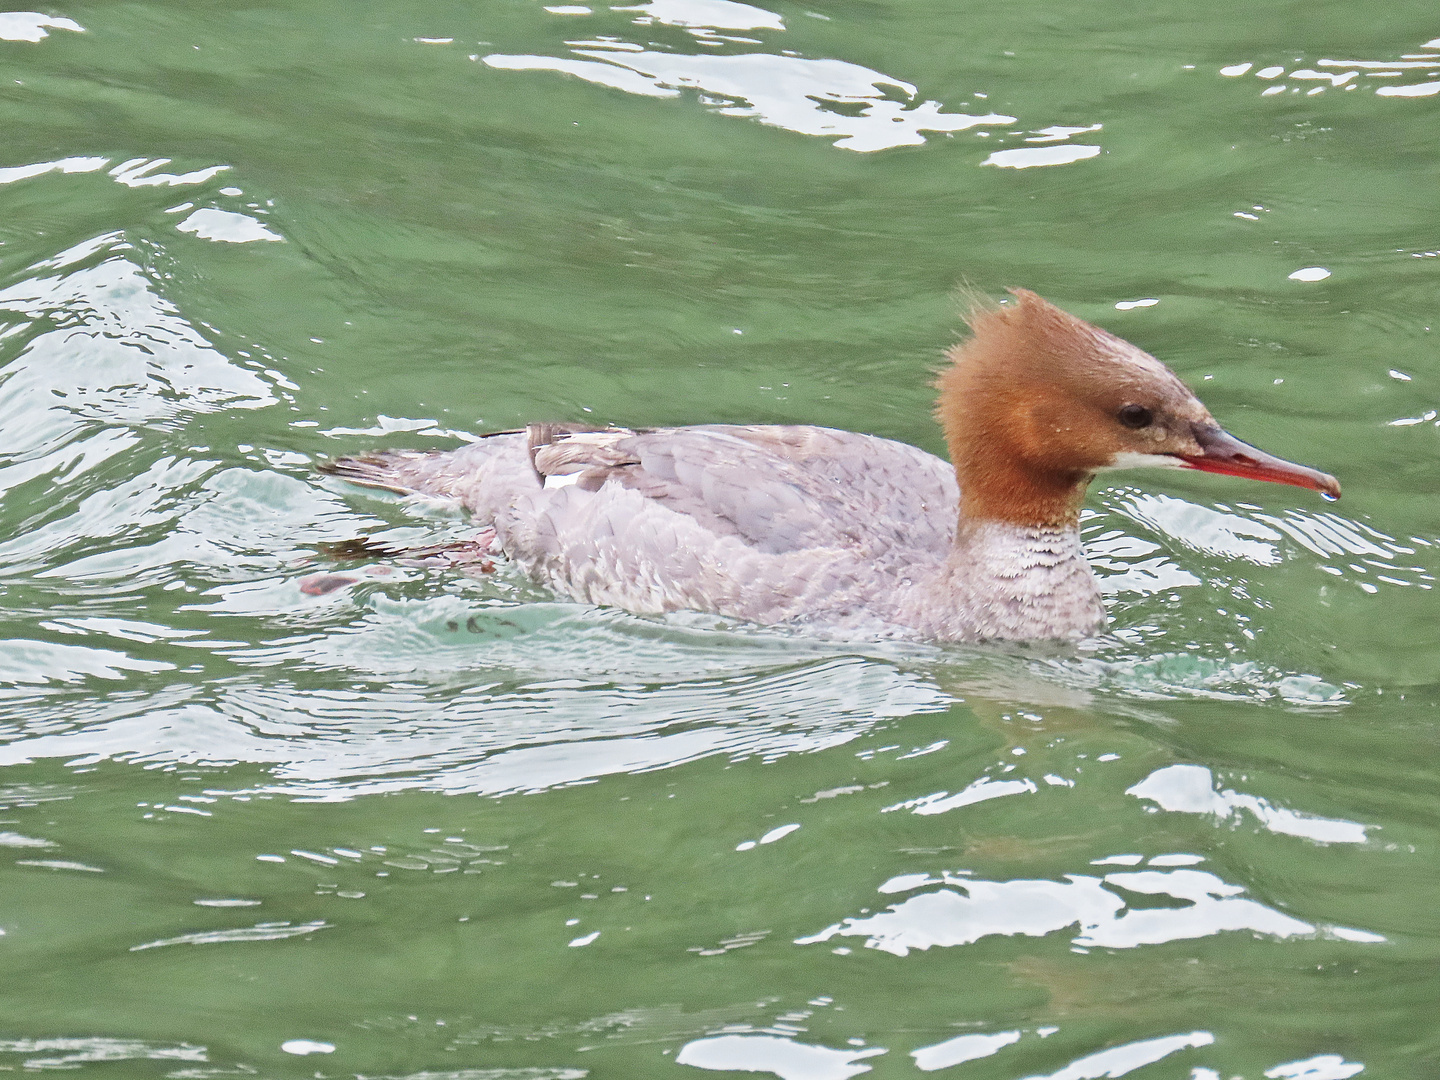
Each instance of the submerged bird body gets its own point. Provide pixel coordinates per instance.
(843, 532)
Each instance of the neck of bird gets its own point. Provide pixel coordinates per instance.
(1017, 582)
(995, 488)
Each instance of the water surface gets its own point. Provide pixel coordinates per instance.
(435, 825)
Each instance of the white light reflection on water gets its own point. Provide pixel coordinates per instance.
(960, 1049)
(32, 26)
(1350, 74)
(259, 932)
(1059, 133)
(800, 95)
(334, 745)
(785, 1058)
(969, 909)
(106, 352)
(1129, 564)
(388, 425)
(140, 172)
(59, 864)
(1030, 157)
(16, 840)
(981, 790)
(1119, 1060)
(304, 1047)
(863, 110)
(233, 524)
(716, 14)
(72, 1053)
(1429, 89)
(1320, 1067)
(36, 662)
(227, 227)
(1203, 529)
(1190, 789)
(63, 165)
(1254, 537)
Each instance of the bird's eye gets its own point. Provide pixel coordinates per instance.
(1135, 416)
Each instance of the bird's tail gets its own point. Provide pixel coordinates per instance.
(401, 471)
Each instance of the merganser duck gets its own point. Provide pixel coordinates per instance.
(846, 533)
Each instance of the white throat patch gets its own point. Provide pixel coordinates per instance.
(1127, 459)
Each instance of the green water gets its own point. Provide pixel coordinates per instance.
(239, 822)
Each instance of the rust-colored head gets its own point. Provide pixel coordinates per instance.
(1037, 401)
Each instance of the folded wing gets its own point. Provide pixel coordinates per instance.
(761, 522)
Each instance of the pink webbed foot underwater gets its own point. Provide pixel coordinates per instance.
(847, 533)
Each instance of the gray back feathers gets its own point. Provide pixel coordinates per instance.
(764, 523)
